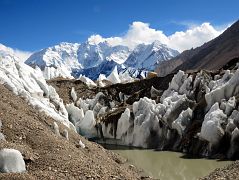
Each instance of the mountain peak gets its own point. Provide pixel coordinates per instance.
(158, 43)
(146, 56)
(97, 54)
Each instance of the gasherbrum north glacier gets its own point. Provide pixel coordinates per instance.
(160, 121)
(150, 124)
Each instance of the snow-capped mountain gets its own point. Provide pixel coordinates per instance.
(147, 56)
(142, 58)
(56, 61)
(62, 54)
(68, 59)
(92, 59)
(92, 55)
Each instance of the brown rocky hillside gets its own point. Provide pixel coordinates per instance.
(49, 156)
(210, 56)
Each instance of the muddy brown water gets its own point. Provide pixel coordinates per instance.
(165, 165)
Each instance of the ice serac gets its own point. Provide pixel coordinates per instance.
(87, 125)
(182, 121)
(223, 88)
(101, 80)
(211, 128)
(123, 125)
(85, 112)
(30, 84)
(73, 94)
(173, 111)
(75, 114)
(87, 81)
(54, 72)
(114, 76)
(146, 122)
(11, 161)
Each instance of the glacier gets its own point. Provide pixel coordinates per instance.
(149, 124)
(205, 100)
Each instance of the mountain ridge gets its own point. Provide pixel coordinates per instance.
(91, 59)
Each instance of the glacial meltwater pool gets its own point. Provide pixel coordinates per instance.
(169, 165)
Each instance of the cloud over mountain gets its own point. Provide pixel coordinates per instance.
(22, 55)
(140, 32)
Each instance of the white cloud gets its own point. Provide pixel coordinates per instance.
(193, 37)
(95, 39)
(140, 32)
(22, 55)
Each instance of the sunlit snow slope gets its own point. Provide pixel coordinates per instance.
(92, 59)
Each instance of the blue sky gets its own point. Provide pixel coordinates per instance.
(30, 25)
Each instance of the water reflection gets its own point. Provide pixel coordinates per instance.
(170, 165)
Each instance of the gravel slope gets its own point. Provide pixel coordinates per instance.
(225, 173)
(48, 156)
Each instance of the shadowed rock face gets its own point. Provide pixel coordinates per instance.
(212, 55)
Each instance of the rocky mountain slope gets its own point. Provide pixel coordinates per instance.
(211, 56)
(91, 59)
